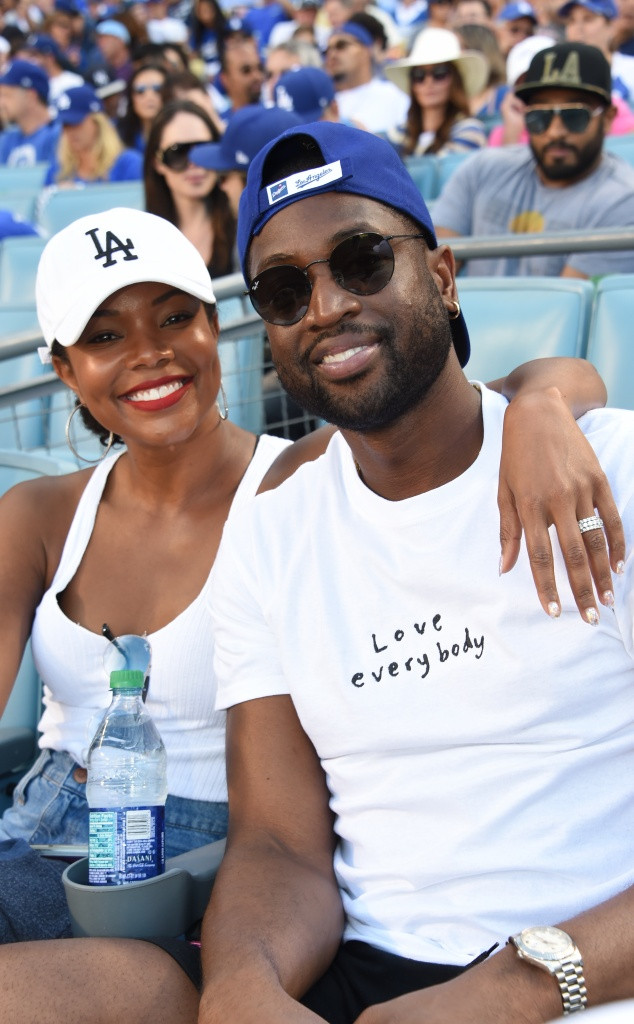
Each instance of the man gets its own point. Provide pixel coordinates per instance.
(363, 99)
(515, 22)
(114, 44)
(44, 51)
(242, 75)
(592, 22)
(307, 92)
(563, 181)
(31, 136)
(392, 701)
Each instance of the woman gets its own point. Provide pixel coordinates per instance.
(89, 149)
(189, 196)
(133, 543)
(207, 26)
(145, 95)
(486, 105)
(439, 79)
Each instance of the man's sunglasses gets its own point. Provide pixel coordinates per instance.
(362, 264)
(439, 72)
(575, 118)
(138, 90)
(176, 157)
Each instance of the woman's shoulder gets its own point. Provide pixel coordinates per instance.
(45, 505)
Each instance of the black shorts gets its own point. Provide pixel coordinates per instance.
(358, 977)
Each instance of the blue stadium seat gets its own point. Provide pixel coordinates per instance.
(241, 362)
(19, 257)
(622, 145)
(447, 164)
(512, 320)
(424, 173)
(65, 205)
(22, 178)
(18, 723)
(610, 346)
(20, 426)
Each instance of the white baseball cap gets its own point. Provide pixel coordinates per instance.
(97, 255)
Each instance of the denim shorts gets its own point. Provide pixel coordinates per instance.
(49, 806)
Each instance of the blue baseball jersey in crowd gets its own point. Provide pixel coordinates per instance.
(20, 150)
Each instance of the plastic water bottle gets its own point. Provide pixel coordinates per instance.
(126, 789)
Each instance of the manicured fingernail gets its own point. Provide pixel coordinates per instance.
(554, 610)
(620, 568)
(608, 598)
(592, 616)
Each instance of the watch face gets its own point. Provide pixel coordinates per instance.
(546, 942)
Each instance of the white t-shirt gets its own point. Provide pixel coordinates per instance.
(479, 755)
(377, 106)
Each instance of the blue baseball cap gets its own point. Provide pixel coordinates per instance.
(350, 28)
(520, 9)
(76, 104)
(110, 27)
(607, 8)
(24, 74)
(305, 91)
(248, 130)
(354, 162)
(46, 45)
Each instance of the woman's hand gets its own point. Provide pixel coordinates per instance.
(549, 474)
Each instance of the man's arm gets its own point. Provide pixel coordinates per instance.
(275, 919)
(504, 988)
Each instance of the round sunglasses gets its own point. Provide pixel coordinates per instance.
(438, 72)
(362, 264)
(176, 156)
(575, 118)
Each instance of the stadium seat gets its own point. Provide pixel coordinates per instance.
(241, 361)
(512, 320)
(19, 258)
(64, 205)
(18, 723)
(424, 172)
(22, 178)
(21, 425)
(622, 145)
(610, 346)
(447, 164)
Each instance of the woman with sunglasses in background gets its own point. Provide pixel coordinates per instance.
(185, 194)
(145, 95)
(439, 79)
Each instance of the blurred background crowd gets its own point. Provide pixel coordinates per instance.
(181, 95)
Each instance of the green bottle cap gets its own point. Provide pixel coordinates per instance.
(126, 679)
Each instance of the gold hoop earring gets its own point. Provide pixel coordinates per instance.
(81, 458)
(223, 413)
(456, 310)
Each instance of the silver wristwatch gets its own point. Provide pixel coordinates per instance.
(553, 951)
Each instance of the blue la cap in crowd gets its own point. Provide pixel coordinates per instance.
(74, 105)
(305, 91)
(26, 75)
(520, 9)
(354, 162)
(110, 27)
(350, 28)
(72, 7)
(248, 130)
(607, 8)
(46, 45)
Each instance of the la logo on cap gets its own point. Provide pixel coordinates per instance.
(113, 244)
(568, 75)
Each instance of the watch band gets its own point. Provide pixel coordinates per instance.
(572, 986)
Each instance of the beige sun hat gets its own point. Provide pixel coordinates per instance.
(440, 46)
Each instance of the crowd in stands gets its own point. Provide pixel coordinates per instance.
(123, 91)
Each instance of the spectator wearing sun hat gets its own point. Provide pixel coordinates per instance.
(307, 92)
(363, 98)
(32, 135)
(439, 77)
(591, 22)
(89, 148)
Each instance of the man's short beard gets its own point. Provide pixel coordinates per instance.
(410, 370)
